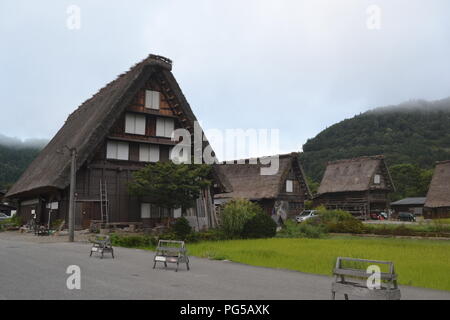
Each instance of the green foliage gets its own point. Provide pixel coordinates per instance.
(292, 229)
(182, 228)
(133, 241)
(410, 181)
(417, 133)
(170, 185)
(313, 185)
(235, 214)
(337, 221)
(261, 225)
(13, 162)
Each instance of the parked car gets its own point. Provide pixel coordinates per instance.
(406, 216)
(305, 215)
(3, 216)
(378, 215)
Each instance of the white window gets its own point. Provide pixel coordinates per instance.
(152, 99)
(135, 123)
(177, 213)
(145, 210)
(289, 186)
(377, 179)
(148, 153)
(164, 127)
(52, 205)
(117, 150)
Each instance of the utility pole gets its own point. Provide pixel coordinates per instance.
(73, 170)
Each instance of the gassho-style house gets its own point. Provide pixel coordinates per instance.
(122, 128)
(360, 185)
(281, 195)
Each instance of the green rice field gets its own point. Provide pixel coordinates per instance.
(421, 263)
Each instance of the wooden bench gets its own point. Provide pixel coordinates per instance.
(170, 251)
(352, 281)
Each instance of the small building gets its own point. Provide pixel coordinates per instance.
(281, 195)
(125, 126)
(6, 207)
(359, 186)
(413, 205)
(437, 204)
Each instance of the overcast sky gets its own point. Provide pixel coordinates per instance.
(297, 66)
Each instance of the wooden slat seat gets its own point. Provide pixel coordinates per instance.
(346, 281)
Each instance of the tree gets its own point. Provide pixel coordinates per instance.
(171, 185)
(410, 181)
(235, 215)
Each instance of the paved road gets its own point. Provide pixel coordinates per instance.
(37, 271)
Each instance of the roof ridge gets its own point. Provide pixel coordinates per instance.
(376, 157)
(283, 155)
(442, 162)
(160, 60)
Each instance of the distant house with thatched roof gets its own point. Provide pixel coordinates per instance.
(122, 128)
(438, 197)
(282, 194)
(360, 185)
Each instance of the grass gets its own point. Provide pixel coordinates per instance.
(420, 263)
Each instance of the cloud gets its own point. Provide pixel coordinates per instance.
(296, 66)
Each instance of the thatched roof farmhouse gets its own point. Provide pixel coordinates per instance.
(360, 185)
(285, 191)
(437, 203)
(124, 126)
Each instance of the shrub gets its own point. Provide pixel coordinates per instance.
(234, 216)
(134, 241)
(346, 226)
(181, 228)
(259, 226)
(292, 229)
(337, 221)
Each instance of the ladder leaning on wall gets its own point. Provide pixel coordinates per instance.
(104, 207)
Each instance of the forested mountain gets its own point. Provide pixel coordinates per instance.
(15, 156)
(416, 133)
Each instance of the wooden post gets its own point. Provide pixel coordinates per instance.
(72, 195)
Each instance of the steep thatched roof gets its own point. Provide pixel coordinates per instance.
(354, 175)
(86, 128)
(248, 183)
(439, 193)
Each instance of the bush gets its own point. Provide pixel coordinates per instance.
(337, 221)
(134, 241)
(259, 226)
(181, 228)
(234, 216)
(292, 229)
(346, 226)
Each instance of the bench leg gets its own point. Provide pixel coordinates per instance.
(112, 252)
(333, 295)
(187, 266)
(176, 270)
(165, 264)
(154, 265)
(346, 296)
